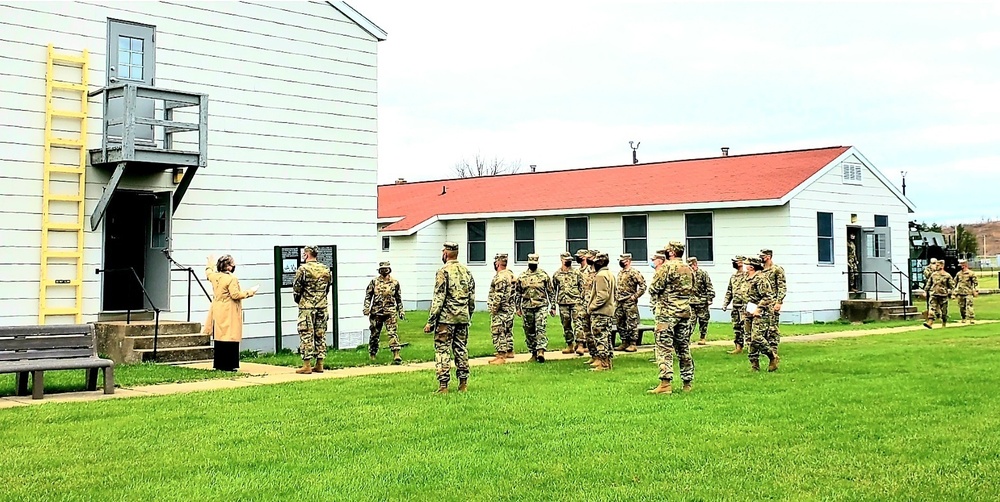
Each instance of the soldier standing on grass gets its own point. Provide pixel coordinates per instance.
(966, 289)
(451, 311)
(601, 309)
(534, 301)
(673, 286)
(701, 300)
(759, 308)
(776, 275)
(584, 337)
(631, 285)
(568, 285)
(502, 305)
(736, 293)
(310, 290)
(383, 305)
(928, 271)
(939, 288)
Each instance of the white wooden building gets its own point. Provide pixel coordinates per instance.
(801, 204)
(281, 132)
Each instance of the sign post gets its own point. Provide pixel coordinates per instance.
(288, 259)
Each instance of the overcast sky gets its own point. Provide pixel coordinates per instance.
(568, 84)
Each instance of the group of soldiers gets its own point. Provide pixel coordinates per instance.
(940, 286)
(592, 304)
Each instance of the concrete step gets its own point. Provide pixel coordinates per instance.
(178, 354)
(172, 341)
(147, 328)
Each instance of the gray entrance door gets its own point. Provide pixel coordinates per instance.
(876, 260)
(131, 58)
(156, 279)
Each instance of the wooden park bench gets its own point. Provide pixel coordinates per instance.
(34, 350)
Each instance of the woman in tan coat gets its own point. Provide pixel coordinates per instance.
(225, 317)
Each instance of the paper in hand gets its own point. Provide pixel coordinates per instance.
(751, 307)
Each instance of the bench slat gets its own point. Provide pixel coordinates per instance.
(48, 329)
(47, 342)
(45, 354)
(54, 364)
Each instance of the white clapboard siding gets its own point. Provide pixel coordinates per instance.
(292, 143)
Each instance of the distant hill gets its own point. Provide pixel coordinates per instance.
(990, 229)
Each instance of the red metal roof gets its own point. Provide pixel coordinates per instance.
(717, 179)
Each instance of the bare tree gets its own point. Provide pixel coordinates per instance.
(481, 166)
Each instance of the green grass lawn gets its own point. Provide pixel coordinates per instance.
(910, 416)
(988, 280)
(126, 375)
(421, 345)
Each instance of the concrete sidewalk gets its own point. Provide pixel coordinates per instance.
(252, 374)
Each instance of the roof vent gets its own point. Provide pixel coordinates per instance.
(725, 151)
(533, 167)
(444, 189)
(400, 181)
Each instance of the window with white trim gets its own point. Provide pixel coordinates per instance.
(852, 172)
(524, 239)
(634, 236)
(824, 238)
(698, 230)
(476, 235)
(385, 243)
(577, 233)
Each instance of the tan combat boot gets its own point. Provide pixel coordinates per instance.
(463, 385)
(534, 357)
(319, 366)
(663, 388)
(603, 364)
(580, 349)
(306, 368)
(498, 359)
(774, 363)
(737, 350)
(443, 389)
(622, 347)
(754, 365)
(687, 387)
(540, 356)
(631, 348)
(596, 361)
(509, 355)
(568, 349)
(395, 357)
(701, 341)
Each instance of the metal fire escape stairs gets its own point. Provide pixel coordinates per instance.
(63, 191)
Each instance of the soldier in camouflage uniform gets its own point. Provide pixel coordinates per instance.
(451, 311)
(701, 300)
(601, 309)
(567, 282)
(760, 297)
(737, 294)
(673, 286)
(534, 301)
(966, 289)
(383, 305)
(852, 265)
(310, 290)
(502, 305)
(928, 271)
(584, 337)
(775, 274)
(940, 287)
(630, 286)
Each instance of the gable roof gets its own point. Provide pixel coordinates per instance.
(707, 183)
(359, 19)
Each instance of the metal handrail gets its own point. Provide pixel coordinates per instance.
(902, 294)
(128, 312)
(190, 273)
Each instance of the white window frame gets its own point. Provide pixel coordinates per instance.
(566, 231)
(385, 242)
(853, 173)
(645, 238)
(832, 238)
(513, 229)
(687, 246)
(468, 243)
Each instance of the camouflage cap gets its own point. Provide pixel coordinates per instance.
(767, 252)
(384, 264)
(584, 253)
(933, 260)
(660, 254)
(451, 246)
(501, 257)
(600, 255)
(532, 258)
(962, 260)
(755, 262)
(565, 256)
(739, 258)
(675, 246)
(626, 256)
(692, 259)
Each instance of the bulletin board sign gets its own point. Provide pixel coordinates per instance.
(287, 260)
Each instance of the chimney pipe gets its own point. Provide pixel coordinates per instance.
(400, 181)
(725, 151)
(533, 167)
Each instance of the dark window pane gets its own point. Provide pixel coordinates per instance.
(477, 252)
(476, 231)
(881, 220)
(637, 247)
(699, 225)
(824, 224)
(700, 248)
(576, 228)
(574, 245)
(385, 243)
(825, 245)
(524, 230)
(523, 249)
(634, 227)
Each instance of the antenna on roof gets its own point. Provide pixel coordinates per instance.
(635, 158)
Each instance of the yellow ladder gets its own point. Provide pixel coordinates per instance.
(63, 189)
